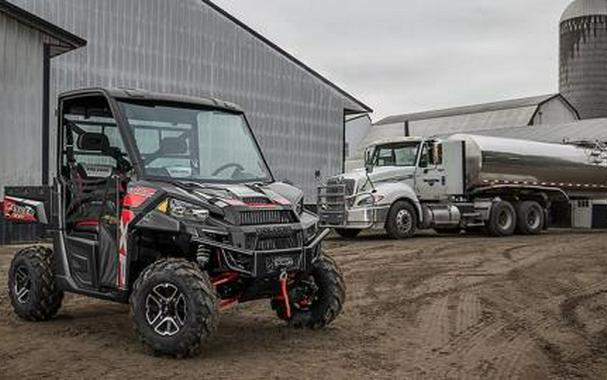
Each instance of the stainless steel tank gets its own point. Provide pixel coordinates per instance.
(577, 170)
(583, 57)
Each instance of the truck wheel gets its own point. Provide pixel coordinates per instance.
(316, 300)
(502, 221)
(347, 233)
(174, 308)
(34, 293)
(402, 220)
(531, 218)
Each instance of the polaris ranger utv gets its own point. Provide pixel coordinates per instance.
(167, 203)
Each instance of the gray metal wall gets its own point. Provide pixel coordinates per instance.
(21, 57)
(583, 64)
(187, 47)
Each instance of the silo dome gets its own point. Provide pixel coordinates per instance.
(583, 57)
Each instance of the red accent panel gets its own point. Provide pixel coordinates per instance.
(14, 211)
(138, 196)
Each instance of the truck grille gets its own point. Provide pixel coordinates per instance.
(336, 183)
(259, 217)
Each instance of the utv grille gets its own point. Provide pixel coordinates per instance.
(260, 217)
(257, 200)
(291, 240)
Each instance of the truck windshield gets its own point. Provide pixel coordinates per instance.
(396, 154)
(196, 144)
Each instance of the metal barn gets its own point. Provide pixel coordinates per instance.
(193, 47)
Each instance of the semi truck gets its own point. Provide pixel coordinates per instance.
(464, 182)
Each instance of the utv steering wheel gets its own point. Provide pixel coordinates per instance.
(227, 166)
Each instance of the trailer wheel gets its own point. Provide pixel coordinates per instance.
(531, 218)
(502, 221)
(402, 220)
(347, 233)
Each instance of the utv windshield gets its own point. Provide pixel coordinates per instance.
(397, 154)
(197, 144)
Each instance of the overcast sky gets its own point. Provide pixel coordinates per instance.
(401, 56)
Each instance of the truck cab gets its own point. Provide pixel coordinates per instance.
(409, 171)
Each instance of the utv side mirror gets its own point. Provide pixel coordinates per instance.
(369, 168)
(173, 145)
(96, 142)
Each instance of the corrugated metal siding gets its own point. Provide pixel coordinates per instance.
(592, 130)
(583, 64)
(187, 47)
(21, 54)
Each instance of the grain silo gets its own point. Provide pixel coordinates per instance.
(583, 57)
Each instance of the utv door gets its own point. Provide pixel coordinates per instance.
(93, 189)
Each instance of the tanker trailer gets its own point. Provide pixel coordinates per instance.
(463, 182)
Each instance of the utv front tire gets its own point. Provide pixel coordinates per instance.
(325, 305)
(174, 308)
(348, 233)
(33, 290)
(402, 220)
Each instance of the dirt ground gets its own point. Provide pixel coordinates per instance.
(436, 307)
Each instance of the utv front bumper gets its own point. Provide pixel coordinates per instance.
(260, 263)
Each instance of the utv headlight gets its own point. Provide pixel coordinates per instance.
(183, 210)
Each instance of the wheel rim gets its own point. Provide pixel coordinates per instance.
(166, 309)
(533, 219)
(505, 220)
(404, 221)
(305, 294)
(23, 285)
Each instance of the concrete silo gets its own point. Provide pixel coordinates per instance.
(583, 57)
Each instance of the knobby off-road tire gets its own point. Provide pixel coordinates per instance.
(402, 220)
(347, 233)
(329, 302)
(502, 220)
(531, 218)
(32, 288)
(174, 308)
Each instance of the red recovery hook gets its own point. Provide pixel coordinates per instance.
(284, 292)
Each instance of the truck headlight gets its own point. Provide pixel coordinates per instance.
(183, 210)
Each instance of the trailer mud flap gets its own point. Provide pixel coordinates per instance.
(108, 260)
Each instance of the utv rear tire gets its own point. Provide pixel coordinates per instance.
(531, 218)
(347, 233)
(402, 220)
(33, 290)
(330, 298)
(174, 308)
(502, 221)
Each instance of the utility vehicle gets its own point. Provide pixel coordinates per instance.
(466, 182)
(167, 203)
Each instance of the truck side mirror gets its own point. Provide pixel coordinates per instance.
(369, 168)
